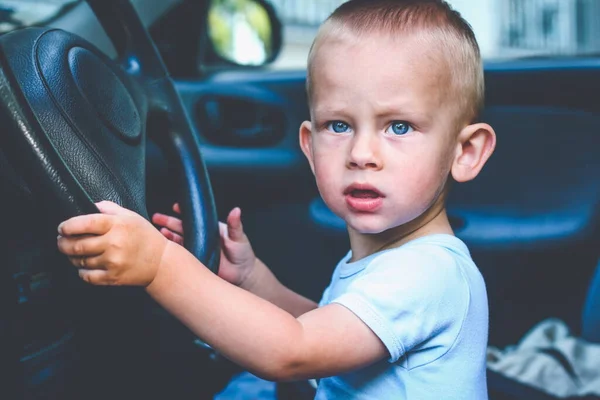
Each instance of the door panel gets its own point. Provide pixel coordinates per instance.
(530, 219)
(532, 215)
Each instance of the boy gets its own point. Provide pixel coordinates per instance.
(394, 89)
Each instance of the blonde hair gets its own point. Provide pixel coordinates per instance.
(435, 22)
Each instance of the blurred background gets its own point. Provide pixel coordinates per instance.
(504, 28)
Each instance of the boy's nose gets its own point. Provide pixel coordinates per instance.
(364, 153)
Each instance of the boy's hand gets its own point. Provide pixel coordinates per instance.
(170, 227)
(117, 247)
(237, 256)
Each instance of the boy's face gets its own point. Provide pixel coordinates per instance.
(382, 136)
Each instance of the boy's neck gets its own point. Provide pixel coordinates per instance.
(433, 221)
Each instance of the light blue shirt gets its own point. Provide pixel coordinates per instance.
(427, 303)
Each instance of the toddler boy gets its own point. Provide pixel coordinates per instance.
(395, 87)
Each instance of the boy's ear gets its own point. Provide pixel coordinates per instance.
(476, 144)
(306, 142)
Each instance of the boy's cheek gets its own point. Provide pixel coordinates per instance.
(325, 176)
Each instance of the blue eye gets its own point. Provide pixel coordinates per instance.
(338, 127)
(400, 128)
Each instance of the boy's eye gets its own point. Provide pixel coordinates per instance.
(400, 128)
(338, 127)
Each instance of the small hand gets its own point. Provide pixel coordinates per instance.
(237, 256)
(117, 247)
(170, 227)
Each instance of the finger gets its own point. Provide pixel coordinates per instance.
(110, 208)
(87, 262)
(234, 225)
(91, 224)
(94, 276)
(177, 208)
(172, 236)
(82, 246)
(174, 224)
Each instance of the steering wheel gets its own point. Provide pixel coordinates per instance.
(75, 123)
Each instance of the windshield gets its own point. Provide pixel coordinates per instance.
(21, 13)
(504, 28)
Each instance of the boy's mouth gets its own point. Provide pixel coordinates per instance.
(363, 191)
(363, 197)
(364, 194)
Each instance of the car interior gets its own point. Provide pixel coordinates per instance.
(132, 101)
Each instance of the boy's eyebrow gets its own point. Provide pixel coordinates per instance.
(380, 110)
(403, 112)
(331, 110)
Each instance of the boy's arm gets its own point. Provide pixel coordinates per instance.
(255, 333)
(120, 247)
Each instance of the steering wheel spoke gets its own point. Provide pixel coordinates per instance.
(136, 52)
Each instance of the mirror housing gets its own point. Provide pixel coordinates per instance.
(244, 33)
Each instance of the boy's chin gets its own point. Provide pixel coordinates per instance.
(364, 226)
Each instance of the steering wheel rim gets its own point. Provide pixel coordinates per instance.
(103, 106)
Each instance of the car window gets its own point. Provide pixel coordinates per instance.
(504, 28)
(21, 13)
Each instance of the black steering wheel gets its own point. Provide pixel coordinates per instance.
(74, 123)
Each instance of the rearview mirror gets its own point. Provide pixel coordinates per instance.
(244, 32)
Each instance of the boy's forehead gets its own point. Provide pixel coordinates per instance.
(415, 49)
(377, 62)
